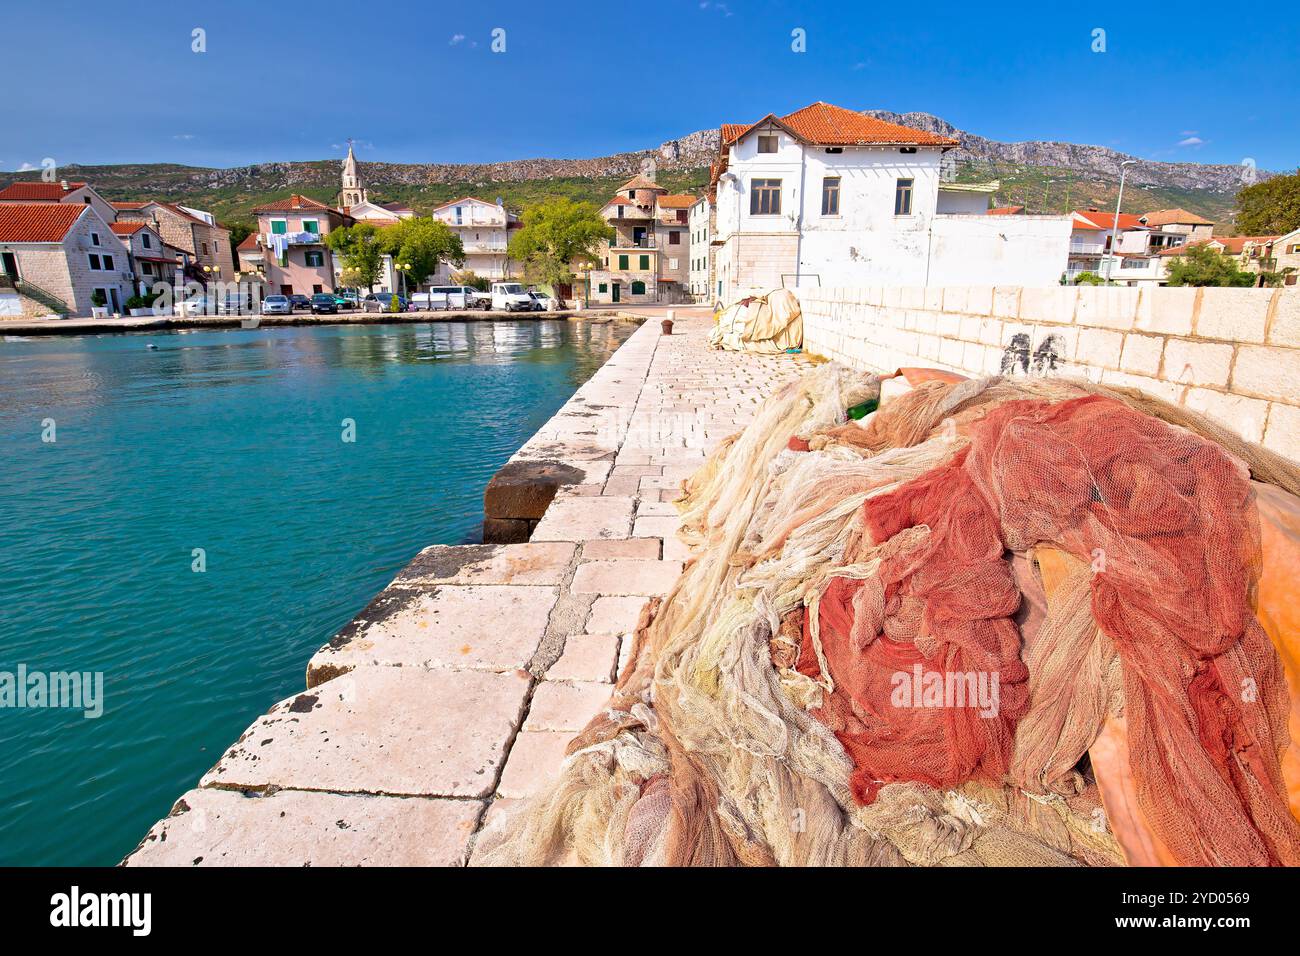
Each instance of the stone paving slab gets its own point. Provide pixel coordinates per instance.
(566, 705)
(586, 657)
(626, 577)
(382, 730)
(572, 518)
(540, 563)
(300, 828)
(493, 628)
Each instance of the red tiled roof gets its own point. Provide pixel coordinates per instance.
(1088, 219)
(294, 203)
(125, 228)
(249, 244)
(37, 221)
(1181, 217)
(641, 182)
(619, 201)
(822, 124)
(1006, 211)
(37, 192)
(129, 205)
(679, 201)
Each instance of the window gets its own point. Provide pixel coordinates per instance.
(94, 262)
(279, 227)
(312, 226)
(903, 197)
(638, 288)
(831, 196)
(672, 263)
(631, 194)
(674, 238)
(645, 263)
(765, 197)
(94, 238)
(315, 258)
(144, 241)
(147, 268)
(1294, 250)
(205, 248)
(834, 150)
(767, 144)
(620, 212)
(604, 287)
(622, 262)
(108, 263)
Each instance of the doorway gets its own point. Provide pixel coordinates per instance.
(9, 261)
(617, 288)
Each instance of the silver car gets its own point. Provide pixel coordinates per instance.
(276, 305)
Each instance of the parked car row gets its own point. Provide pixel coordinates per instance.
(504, 297)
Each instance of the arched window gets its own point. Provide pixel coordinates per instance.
(638, 288)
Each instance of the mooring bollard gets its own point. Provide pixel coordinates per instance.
(667, 324)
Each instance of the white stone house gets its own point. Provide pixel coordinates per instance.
(60, 254)
(484, 231)
(826, 196)
(700, 223)
(151, 260)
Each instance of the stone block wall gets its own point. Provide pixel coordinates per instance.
(1233, 354)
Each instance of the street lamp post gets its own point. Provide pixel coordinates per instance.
(1114, 226)
(402, 268)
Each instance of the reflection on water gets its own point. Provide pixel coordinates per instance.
(229, 441)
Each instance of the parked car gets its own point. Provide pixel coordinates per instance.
(200, 304)
(322, 303)
(382, 302)
(347, 298)
(511, 297)
(276, 305)
(542, 302)
(299, 303)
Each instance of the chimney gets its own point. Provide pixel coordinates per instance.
(64, 184)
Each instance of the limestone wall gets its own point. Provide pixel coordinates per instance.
(1233, 354)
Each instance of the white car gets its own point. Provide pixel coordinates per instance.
(511, 297)
(542, 302)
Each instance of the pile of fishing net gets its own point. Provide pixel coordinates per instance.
(763, 323)
(994, 622)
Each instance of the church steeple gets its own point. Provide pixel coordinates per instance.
(353, 193)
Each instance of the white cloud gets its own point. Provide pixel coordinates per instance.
(1191, 141)
(456, 38)
(183, 136)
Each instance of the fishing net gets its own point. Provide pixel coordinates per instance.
(996, 622)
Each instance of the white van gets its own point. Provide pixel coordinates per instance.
(511, 297)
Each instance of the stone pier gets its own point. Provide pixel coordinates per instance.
(454, 692)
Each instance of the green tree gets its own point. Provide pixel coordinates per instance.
(1201, 265)
(1089, 278)
(555, 236)
(472, 279)
(1269, 208)
(361, 248)
(422, 243)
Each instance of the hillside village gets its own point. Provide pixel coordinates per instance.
(823, 196)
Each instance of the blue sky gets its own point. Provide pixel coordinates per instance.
(284, 81)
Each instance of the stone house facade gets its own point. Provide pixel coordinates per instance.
(63, 253)
(207, 243)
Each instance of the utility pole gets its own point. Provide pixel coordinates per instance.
(1114, 226)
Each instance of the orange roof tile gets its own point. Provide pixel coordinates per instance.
(294, 203)
(1181, 217)
(1090, 219)
(250, 243)
(37, 221)
(641, 182)
(679, 201)
(37, 192)
(822, 124)
(125, 228)
(1006, 211)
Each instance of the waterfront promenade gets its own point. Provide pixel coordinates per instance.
(453, 694)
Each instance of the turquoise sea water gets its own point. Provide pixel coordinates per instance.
(232, 442)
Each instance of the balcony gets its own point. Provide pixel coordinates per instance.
(623, 242)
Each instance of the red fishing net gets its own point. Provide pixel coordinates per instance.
(1167, 521)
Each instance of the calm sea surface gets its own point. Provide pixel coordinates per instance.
(231, 442)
